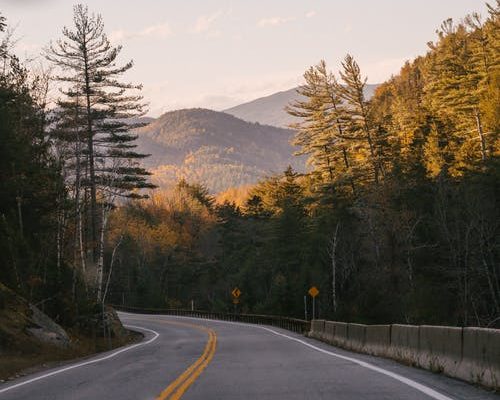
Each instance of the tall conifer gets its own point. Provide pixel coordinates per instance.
(101, 110)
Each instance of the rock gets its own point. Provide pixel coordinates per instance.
(46, 330)
(114, 324)
(24, 328)
(114, 327)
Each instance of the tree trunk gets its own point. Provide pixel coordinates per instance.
(480, 133)
(79, 252)
(20, 215)
(113, 256)
(347, 166)
(332, 250)
(61, 228)
(100, 260)
(90, 145)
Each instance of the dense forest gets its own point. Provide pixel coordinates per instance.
(397, 219)
(64, 165)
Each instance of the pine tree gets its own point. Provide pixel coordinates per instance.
(397, 107)
(491, 99)
(461, 68)
(101, 110)
(30, 185)
(3, 44)
(358, 121)
(320, 132)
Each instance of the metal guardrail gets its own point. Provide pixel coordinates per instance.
(291, 324)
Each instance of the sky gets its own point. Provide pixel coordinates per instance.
(220, 53)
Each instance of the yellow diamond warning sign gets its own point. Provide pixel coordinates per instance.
(313, 292)
(236, 292)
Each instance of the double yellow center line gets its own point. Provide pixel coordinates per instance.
(178, 387)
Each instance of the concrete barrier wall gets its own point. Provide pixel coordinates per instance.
(405, 343)
(329, 332)
(317, 328)
(378, 339)
(471, 354)
(340, 336)
(440, 349)
(356, 335)
(481, 357)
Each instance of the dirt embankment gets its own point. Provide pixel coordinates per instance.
(30, 340)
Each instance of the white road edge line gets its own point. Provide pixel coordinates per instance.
(415, 385)
(58, 371)
(418, 386)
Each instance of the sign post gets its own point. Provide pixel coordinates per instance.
(305, 307)
(236, 293)
(313, 292)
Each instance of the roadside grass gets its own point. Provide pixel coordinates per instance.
(14, 364)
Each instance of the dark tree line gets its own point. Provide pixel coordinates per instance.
(64, 166)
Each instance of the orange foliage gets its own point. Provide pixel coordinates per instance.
(237, 195)
(168, 221)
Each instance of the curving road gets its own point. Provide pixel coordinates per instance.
(195, 359)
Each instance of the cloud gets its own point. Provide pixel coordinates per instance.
(310, 14)
(118, 35)
(348, 27)
(158, 31)
(204, 22)
(274, 21)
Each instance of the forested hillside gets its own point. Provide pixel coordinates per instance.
(62, 170)
(214, 148)
(398, 220)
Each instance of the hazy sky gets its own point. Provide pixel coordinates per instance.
(219, 53)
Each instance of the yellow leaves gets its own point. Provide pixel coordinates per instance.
(237, 195)
(490, 106)
(433, 155)
(163, 236)
(190, 159)
(168, 221)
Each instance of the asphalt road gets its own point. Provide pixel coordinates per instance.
(199, 359)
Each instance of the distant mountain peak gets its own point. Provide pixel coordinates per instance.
(270, 110)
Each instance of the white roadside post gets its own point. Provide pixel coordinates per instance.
(305, 307)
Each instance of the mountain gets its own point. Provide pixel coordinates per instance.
(267, 110)
(270, 110)
(214, 148)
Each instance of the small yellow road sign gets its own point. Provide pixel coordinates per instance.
(313, 291)
(236, 301)
(236, 292)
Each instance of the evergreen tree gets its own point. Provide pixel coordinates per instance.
(101, 110)
(31, 190)
(397, 107)
(365, 138)
(461, 67)
(320, 132)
